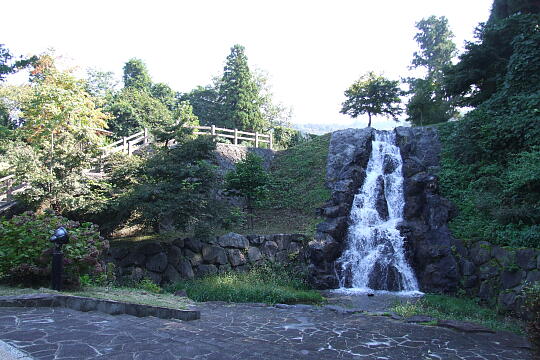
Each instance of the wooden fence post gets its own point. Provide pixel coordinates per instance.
(235, 136)
(124, 144)
(145, 140)
(256, 139)
(9, 191)
(213, 130)
(129, 147)
(271, 140)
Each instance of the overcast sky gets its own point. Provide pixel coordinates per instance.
(312, 50)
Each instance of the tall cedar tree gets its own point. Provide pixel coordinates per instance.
(372, 94)
(429, 105)
(239, 94)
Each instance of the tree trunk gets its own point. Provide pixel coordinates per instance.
(369, 123)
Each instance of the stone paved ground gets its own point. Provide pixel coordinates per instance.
(244, 332)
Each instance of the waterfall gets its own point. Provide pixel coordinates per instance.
(374, 257)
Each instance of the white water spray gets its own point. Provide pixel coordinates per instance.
(374, 258)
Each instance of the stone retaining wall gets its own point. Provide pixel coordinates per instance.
(497, 275)
(188, 258)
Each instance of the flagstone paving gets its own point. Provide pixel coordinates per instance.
(244, 331)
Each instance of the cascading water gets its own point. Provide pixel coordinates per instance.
(374, 258)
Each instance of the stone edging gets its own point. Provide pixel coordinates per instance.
(8, 352)
(85, 304)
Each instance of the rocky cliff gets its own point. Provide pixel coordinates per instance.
(348, 155)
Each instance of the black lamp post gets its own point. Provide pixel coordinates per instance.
(59, 238)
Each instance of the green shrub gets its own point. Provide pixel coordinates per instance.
(148, 285)
(285, 137)
(268, 283)
(532, 304)
(25, 250)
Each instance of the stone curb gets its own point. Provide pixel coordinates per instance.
(8, 352)
(85, 304)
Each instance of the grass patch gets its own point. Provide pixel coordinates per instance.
(297, 185)
(271, 284)
(298, 177)
(130, 295)
(451, 308)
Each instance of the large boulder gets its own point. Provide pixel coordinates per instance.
(214, 255)
(232, 240)
(185, 269)
(254, 254)
(157, 263)
(236, 257)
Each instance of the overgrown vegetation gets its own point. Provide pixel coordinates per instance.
(490, 166)
(451, 308)
(269, 283)
(25, 250)
(248, 180)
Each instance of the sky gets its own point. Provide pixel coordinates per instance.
(312, 50)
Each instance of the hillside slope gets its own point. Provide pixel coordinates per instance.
(297, 189)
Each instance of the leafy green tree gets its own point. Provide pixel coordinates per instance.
(274, 114)
(8, 100)
(249, 180)
(100, 83)
(8, 66)
(490, 157)
(372, 94)
(136, 75)
(58, 140)
(428, 104)
(178, 131)
(481, 69)
(141, 104)
(165, 94)
(239, 94)
(169, 186)
(134, 109)
(206, 105)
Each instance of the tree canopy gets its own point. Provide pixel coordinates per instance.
(372, 94)
(481, 69)
(429, 104)
(239, 93)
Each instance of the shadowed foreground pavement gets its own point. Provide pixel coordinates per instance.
(244, 332)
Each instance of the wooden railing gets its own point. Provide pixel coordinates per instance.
(127, 144)
(131, 143)
(234, 134)
(6, 188)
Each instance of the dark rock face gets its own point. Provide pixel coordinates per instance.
(391, 281)
(381, 204)
(232, 240)
(431, 247)
(348, 155)
(214, 255)
(157, 263)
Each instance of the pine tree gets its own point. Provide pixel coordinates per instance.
(239, 94)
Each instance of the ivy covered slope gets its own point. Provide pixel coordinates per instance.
(297, 189)
(491, 158)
